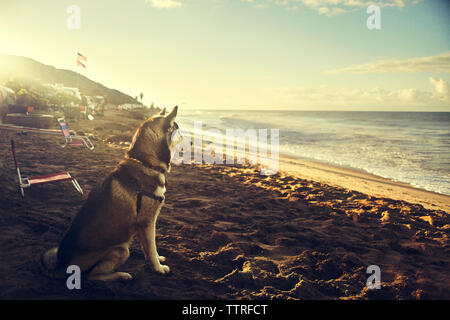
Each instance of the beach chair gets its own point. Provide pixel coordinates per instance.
(72, 139)
(28, 182)
(23, 130)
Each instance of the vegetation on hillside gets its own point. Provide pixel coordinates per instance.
(31, 92)
(27, 69)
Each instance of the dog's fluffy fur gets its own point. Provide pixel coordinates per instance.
(100, 235)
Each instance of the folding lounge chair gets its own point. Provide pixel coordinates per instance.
(70, 136)
(72, 139)
(55, 177)
(23, 129)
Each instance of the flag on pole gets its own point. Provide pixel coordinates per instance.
(81, 57)
(80, 64)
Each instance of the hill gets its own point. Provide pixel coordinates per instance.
(26, 68)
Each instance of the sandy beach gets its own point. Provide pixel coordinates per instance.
(363, 182)
(309, 232)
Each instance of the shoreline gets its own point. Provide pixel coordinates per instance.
(361, 181)
(227, 231)
(355, 179)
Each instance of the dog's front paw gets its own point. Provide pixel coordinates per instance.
(161, 258)
(162, 268)
(124, 276)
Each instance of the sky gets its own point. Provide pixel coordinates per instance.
(246, 54)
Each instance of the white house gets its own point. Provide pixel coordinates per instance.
(130, 106)
(7, 95)
(75, 92)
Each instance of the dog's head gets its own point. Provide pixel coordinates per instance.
(155, 140)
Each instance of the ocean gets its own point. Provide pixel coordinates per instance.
(410, 147)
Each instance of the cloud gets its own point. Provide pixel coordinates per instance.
(323, 7)
(438, 63)
(441, 89)
(325, 96)
(164, 4)
(334, 7)
(330, 12)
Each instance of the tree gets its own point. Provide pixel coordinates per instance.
(24, 98)
(62, 99)
(141, 95)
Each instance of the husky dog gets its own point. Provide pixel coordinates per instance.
(125, 205)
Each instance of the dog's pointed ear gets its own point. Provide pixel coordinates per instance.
(171, 116)
(162, 112)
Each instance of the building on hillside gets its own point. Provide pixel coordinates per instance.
(110, 106)
(130, 106)
(7, 96)
(74, 92)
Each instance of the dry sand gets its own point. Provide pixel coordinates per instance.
(228, 232)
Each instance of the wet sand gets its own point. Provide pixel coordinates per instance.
(364, 182)
(309, 232)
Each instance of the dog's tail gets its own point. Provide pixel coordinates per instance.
(50, 265)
